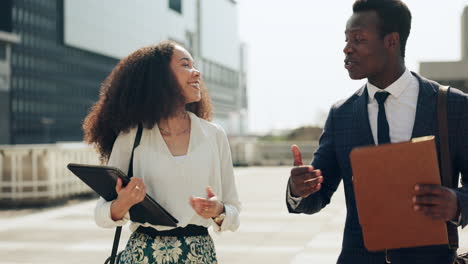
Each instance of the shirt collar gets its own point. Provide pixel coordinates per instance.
(395, 89)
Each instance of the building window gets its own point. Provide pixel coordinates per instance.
(176, 5)
(6, 7)
(2, 51)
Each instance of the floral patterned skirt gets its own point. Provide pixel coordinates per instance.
(143, 249)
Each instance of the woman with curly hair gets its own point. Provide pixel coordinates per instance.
(183, 160)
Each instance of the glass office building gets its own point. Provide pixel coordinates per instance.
(57, 52)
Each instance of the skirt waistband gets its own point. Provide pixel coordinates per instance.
(190, 230)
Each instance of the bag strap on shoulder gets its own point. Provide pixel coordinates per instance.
(445, 161)
(135, 144)
(446, 165)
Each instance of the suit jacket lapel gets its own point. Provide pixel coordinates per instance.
(361, 119)
(425, 109)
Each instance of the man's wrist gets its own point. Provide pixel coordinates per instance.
(292, 201)
(291, 194)
(457, 218)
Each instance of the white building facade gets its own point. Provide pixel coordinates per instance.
(208, 28)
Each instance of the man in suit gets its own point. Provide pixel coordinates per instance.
(395, 105)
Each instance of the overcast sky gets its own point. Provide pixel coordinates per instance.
(295, 58)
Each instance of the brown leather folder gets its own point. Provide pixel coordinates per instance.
(384, 178)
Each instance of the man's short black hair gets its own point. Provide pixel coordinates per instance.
(394, 16)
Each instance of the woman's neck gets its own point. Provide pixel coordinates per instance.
(176, 124)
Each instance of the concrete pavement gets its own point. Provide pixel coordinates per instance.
(268, 234)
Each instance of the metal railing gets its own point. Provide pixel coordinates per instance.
(38, 174)
(31, 174)
(265, 153)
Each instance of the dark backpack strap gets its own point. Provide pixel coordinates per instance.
(118, 230)
(445, 161)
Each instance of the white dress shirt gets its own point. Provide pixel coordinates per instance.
(400, 110)
(172, 180)
(400, 107)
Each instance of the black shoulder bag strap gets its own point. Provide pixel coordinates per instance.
(445, 161)
(118, 230)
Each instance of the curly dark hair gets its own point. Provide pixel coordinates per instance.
(140, 89)
(394, 16)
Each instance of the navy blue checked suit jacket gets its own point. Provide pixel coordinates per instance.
(347, 127)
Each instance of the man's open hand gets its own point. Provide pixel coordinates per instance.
(304, 179)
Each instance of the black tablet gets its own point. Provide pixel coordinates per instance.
(102, 179)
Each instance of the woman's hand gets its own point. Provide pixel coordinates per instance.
(128, 196)
(207, 207)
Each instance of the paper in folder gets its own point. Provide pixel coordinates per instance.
(384, 178)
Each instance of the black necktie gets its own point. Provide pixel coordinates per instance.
(383, 133)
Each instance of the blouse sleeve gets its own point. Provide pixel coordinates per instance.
(230, 198)
(120, 158)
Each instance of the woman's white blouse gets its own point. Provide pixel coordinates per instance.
(171, 181)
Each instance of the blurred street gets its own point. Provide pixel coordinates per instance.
(268, 234)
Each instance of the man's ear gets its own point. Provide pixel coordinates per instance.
(392, 41)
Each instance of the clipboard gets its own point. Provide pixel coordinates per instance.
(383, 179)
(102, 179)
